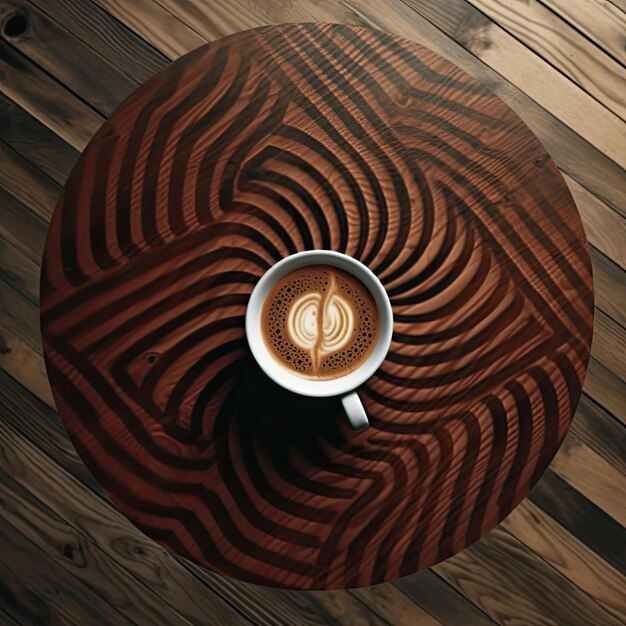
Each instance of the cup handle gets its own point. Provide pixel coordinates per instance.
(355, 412)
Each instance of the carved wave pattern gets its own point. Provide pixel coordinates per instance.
(290, 138)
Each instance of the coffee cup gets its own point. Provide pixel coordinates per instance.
(346, 381)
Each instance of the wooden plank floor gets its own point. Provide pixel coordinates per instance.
(67, 556)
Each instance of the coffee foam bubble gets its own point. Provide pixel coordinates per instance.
(320, 322)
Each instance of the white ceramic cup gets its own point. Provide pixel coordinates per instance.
(344, 386)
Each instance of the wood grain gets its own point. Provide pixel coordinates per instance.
(219, 19)
(35, 142)
(56, 50)
(46, 99)
(20, 348)
(166, 33)
(608, 279)
(604, 227)
(507, 582)
(99, 573)
(584, 539)
(45, 594)
(619, 4)
(21, 228)
(331, 607)
(587, 164)
(393, 606)
(588, 472)
(107, 530)
(397, 18)
(18, 317)
(599, 430)
(548, 539)
(260, 537)
(539, 80)
(609, 345)
(31, 334)
(139, 554)
(606, 389)
(562, 47)
(601, 21)
(442, 601)
(275, 607)
(107, 36)
(42, 426)
(571, 152)
(582, 518)
(27, 184)
(223, 18)
(19, 271)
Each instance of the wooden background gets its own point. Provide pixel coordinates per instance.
(67, 556)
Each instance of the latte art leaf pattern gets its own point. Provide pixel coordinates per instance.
(320, 322)
(320, 325)
(302, 321)
(337, 324)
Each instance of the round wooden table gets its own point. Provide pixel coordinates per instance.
(289, 138)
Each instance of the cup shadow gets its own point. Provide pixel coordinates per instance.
(279, 418)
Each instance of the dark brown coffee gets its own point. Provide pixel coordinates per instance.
(320, 322)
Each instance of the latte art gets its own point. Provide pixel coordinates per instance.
(320, 322)
(320, 326)
(337, 322)
(302, 320)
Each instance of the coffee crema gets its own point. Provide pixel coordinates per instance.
(320, 322)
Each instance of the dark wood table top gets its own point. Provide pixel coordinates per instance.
(297, 137)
